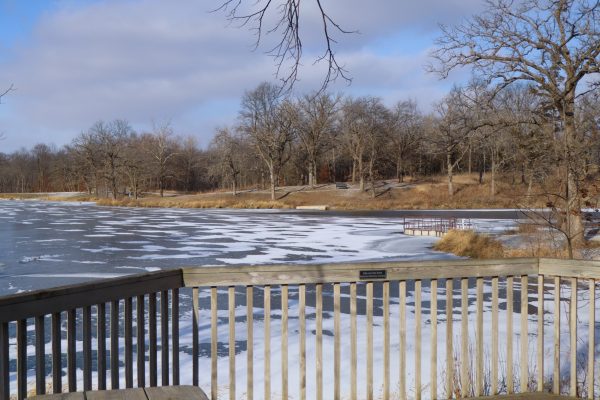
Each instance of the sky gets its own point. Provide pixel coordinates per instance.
(75, 62)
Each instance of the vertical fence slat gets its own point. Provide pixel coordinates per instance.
(140, 341)
(129, 342)
(464, 341)
(267, 344)
(591, 339)
(433, 343)
(71, 351)
(56, 354)
(510, 386)
(573, 338)
(319, 340)
(175, 334)
(114, 345)
(22, 359)
(337, 341)
(284, 341)
(418, 339)
(213, 343)
(494, 358)
(479, 340)
(164, 336)
(40, 356)
(249, 343)
(302, 317)
(195, 335)
(556, 367)
(152, 340)
(523, 367)
(101, 344)
(402, 316)
(87, 348)
(231, 322)
(449, 339)
(540, 334)
(353, 343)
(4, 359)
(369, 348)
(386, 340)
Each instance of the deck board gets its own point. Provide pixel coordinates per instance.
(153, 393)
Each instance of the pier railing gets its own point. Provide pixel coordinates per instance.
(434, 329)
(434, 226)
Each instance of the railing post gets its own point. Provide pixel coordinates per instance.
(4, 365)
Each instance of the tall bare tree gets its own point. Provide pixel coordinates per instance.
(404, 131)
(269, 123)
(554, 45)
(228, 152)
(160, 148)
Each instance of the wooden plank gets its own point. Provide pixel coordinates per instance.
(128, 342)
(319, 340)
(369, 349)
(101, 344)
(540, 334)
(140, 342)
(464, 338)
(433, 310)
(523, 367)
(583, 269)
(114, 345)
(418, 329)
(386, 340)
(164, 336)
(175, 392)
(403, 349)
(591, 339)
(284, 341)
(178, 392)
(87, 347)
(40, 356)
(350, 272)
(249, 343)
(556, 367)
(494, 358)
(231, 321)
(175, 335)
(4, 361)
(152, 340)
(61, 396)
(56, 354)
(479, 340)
(449, 339)
(130, 394)
(267, 344)
(71, 351)
(22, 359)
(573, 338)
(48, 301)
(353, 343)
(214, 339)
(302, 318)
(195, 335)
(509, 335)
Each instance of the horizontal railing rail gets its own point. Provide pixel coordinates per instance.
(436, 329)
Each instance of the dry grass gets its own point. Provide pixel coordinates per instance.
(468, 243)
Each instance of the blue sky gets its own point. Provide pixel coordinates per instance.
(74, 62)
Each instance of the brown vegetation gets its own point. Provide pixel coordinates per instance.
(468, 243)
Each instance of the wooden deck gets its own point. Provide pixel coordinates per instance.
(151, 393)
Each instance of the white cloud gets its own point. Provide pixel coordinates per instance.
(157, 59)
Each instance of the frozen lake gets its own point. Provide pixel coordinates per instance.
(46, 244)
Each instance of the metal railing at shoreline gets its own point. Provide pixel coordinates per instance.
(132, 331)
(434, 226)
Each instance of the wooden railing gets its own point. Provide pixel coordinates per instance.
(434, 226)
(371, 330)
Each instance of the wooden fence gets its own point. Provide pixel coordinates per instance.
(105, 314)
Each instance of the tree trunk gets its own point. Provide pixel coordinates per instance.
(234, 186)
(353, 171)
(361, 175)
(449, 168)
(573, 207)
(272, 178)
(493, 174)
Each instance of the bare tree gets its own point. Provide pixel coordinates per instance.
(404, 131)
(161, 150)
(228, 151)
(111, 139)
(551, 44)
(316, 125)
(283, 18)
(269, 123)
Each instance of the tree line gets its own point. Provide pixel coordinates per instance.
(320, 138)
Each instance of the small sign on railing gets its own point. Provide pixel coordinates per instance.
(369, 274)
